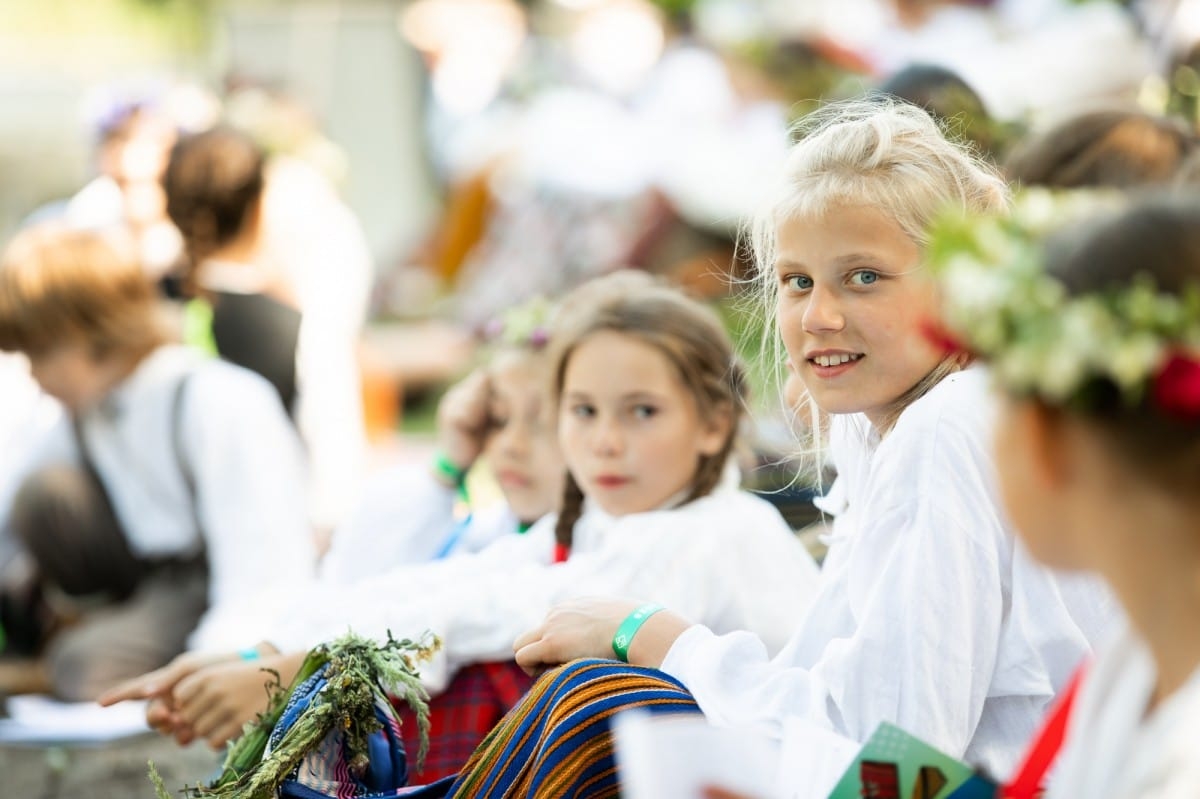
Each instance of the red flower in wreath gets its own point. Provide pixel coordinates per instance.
(1177, 387)
(941, 338)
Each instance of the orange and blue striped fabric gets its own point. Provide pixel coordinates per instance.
(557, 742)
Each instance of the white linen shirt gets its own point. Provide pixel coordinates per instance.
(1113, 749)
(247, 467)
(406, 517)
(929, 616)
(727, 558)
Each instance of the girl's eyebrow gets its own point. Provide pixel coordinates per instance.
(849, 259)
(858, 258)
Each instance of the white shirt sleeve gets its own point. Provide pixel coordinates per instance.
(403, 517)
(728, 560)
(248, 470)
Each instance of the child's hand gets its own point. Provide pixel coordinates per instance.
(160, 682)
(584, 628)
(463, 419)
(213, 704)
(216, 702)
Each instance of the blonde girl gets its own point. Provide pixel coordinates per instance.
(929, 615)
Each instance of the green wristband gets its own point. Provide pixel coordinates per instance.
(633, 622)
(457, 477)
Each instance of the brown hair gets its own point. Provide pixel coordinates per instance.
(213, 181)
(1157, 238)
(1118, 149)
(691, 337)
(59, 284)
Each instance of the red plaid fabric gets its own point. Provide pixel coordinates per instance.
(474, 702)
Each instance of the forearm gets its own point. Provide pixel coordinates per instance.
(655, 638)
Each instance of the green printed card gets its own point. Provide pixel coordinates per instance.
(895, 765)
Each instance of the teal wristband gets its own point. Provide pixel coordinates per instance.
(629, 628)
(446, 468)
(250, 653)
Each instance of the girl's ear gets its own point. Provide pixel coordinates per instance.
(715, 431)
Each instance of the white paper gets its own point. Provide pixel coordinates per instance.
(812, 760)
(42, 720)
(675, 757)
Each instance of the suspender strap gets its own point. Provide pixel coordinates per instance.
(1030, 780)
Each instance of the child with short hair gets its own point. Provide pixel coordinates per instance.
(1098, 450)
(170, 488)
(929, 615)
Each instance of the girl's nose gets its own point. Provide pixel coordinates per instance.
(823, 312)
(514, 439)
(606, 437)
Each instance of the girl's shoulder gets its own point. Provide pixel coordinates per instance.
(938, 455)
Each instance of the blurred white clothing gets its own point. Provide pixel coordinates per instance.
(728, 559)
(316, 241)
(406, 516)
(1113, 749)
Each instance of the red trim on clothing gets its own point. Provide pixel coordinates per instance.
(1030, 778)
(561, 553)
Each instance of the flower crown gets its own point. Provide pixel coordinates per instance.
(1001, 305)
(525, 325)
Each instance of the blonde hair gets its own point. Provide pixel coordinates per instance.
(687, 333)
(59, 284)
(880, 153)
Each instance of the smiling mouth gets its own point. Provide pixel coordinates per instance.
(837, 359)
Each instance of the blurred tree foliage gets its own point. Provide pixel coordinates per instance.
(74, 34)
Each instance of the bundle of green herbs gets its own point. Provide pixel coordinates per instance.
(358, 671)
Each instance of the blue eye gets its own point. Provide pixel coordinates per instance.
(583, 411)
(864, 277)
(798, 282)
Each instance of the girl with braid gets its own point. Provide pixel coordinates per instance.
(649, 398)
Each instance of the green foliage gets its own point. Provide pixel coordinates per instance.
(358, 673)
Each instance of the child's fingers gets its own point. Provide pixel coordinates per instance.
(160, 682)
(224, 734)
(212, 719)
(160, 716)
(148, 685)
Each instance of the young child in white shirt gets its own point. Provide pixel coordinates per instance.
(499, 414)
(167, 495)
(929, 615)
(649, 399)
(1098, 450)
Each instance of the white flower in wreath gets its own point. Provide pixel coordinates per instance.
(1135, 358)
(1062, 372)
